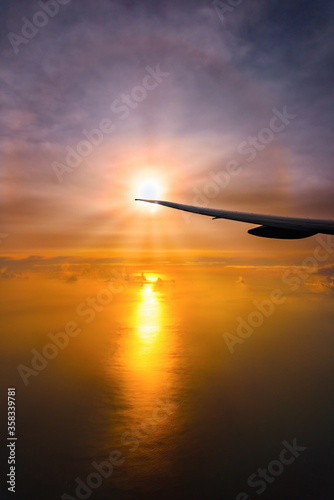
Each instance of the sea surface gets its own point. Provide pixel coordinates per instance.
(148, 380)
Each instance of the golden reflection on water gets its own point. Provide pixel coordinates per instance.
(149, 343)
(148, 320)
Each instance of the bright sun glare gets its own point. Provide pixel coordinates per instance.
(149, 189)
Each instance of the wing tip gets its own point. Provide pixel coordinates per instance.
(143, 199)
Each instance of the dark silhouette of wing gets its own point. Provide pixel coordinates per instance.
(271, 226)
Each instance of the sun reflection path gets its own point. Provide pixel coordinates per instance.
(145, 366)
(148, 323)
(149, 354)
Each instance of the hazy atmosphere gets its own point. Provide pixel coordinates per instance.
(219, 80)
(152, 353)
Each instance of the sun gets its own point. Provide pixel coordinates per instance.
(149, 184)
(149, 189)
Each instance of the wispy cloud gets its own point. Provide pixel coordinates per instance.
(224, 81)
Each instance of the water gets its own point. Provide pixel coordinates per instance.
(150, 380)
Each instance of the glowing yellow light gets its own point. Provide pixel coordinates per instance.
(151, 189)
(148, 319)
(146, 357)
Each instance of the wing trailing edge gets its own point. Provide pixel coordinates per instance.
(271, 226)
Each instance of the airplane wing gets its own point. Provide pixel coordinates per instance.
(271, 226)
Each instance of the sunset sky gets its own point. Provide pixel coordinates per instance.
(219, 79)
(113, 307)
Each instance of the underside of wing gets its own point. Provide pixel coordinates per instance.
(271, 226)
(280, 234)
